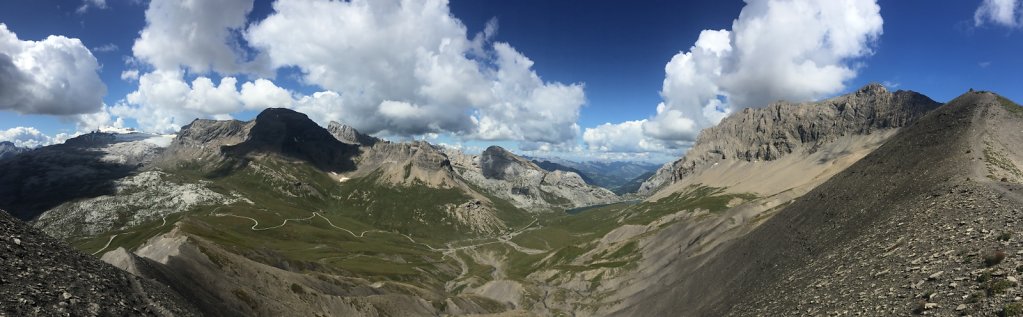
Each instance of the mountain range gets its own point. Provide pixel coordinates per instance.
(871, 203)
(621, 177)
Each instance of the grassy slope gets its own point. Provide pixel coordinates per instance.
(296, 190)
(570, 236)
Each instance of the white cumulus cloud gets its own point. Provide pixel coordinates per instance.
(130, 75)
(1006, 13)
(25, 137)
(410, 67)
(201, 36)
(775, 50)
(625, 137)
(88, 4)
(394, 67)
(29, 137)
(165, 101)
(56, 76)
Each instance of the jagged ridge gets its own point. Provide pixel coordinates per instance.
(783, 128)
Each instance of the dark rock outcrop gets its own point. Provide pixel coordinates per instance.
(293, 134)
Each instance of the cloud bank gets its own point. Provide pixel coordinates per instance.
(775, 50)
(55, 76)
(29, 137)
(393, 67)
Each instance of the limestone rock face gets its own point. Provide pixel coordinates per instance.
(769, 133)
(348, 134)
(401, 163)
(203, 139)
(498, 163)
(523, 183)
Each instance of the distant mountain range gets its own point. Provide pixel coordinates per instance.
(618, 176)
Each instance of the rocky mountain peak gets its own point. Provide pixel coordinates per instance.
(783, 128)
(347, 134)
(498, 163)
(202, 131)
(872, 89)
(293, 134)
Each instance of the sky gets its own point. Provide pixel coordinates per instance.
(632, 80)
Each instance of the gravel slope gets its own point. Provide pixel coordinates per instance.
(905, 230)
(40, 276)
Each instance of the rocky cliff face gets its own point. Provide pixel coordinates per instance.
(781, 129)
(203, 138)
(348, 134)
(526, 185)
(405, 163)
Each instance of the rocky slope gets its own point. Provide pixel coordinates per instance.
(781, 129)
(348, 134)
(83, 167)
(44, 277)
(8, 149)
(921, 225)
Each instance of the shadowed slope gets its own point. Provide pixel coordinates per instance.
(812, 256)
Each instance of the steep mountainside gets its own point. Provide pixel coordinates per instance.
(8, 149)
(922, 224)
(781, 129)
(348, 134)
(294, 135)
(44, 277)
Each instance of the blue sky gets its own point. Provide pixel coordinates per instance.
(598, 66)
